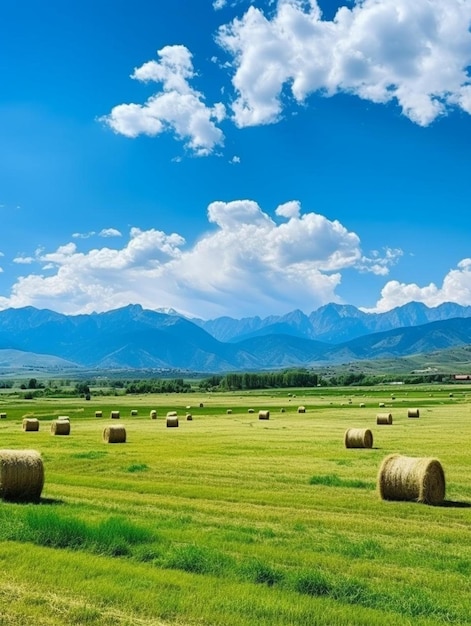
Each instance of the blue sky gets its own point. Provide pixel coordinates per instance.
(232, 157)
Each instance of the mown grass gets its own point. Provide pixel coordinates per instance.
(231, 520)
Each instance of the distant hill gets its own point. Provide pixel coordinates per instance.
(133, 338)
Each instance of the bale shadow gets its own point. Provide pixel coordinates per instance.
(50, 501)
(454, 504)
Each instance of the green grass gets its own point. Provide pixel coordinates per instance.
(228, 520)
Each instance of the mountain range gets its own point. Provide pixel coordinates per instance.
(133, 338)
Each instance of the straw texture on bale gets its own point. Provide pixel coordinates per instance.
(409, 478)
(98, 413)
(189, 417)
(301, 409)
(60, 427)
(358, 438)
(384, 418)
(21, 475)
(133, 411)
(114, 434)
(264, 415)
(172, 421)
(153, 414)
(30, 424)
(115, 415)
(413, 413)
(3, 416)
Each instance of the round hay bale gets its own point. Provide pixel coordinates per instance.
(172, 414)
(21, 475)
(251, 411)
(384, 418)
(114, 434)
(172, 421)
(282, 410)
(301, 409)
(189, 417)
(229, 411)
(413, 412)
(98, 413)
(133, 412)
(153, 414)
(63, 417)
(362, 405)
(409, 478)
(358, 438)
(115, 415)
(30, 424)
(3, 416)
(381, 405)
(201, 405)
(264, 415)
(60, 427)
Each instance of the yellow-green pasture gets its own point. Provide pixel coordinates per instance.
(231, 520)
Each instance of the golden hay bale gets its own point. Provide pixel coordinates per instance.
(172, 414)
(30, 424)
(409, 478)
(201, 405)
(60, 427)
(172, 421)
(133, 411)
(189, 417)
(3, 416)
(98, 413)
(63, 417)
(282, 410)
(384, 418)
(264, 415)
(153, 414)
(381, 405)
(362, 405)
(301, 409)
(114, 434)
(413, 413)
(21, 475)
(229, 411)
(115, 415)
(358, 438)
(251, 411)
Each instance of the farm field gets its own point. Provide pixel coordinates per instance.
(231, 520)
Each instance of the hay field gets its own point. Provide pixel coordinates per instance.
(232, 520)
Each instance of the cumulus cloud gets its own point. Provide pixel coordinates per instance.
(83, 235)
(415, 54)
(247, 263)
(456, 287)
(110, 232)
(178, 107)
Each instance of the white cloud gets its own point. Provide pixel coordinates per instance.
(456, 287)
(110, 232)
(246, 264)
(23, 260)
(219, 4)
(415, 54)
(178, 108)
(83, 235)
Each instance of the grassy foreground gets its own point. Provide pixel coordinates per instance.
(230, 520)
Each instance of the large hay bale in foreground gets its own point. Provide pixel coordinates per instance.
(172, 421)
(115, 415)
(114, 434)
(60, 427)
(264, 415)
(153, 414)
(301, 409)
(21, 475)
(358, 438)
(98, 413)
(413, 413)
(409, 478)
(384, 418)
(30, 424)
